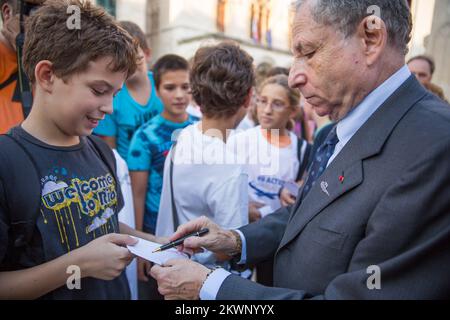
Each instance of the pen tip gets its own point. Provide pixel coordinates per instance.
(156, 250)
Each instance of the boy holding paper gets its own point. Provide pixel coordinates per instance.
(75, 75)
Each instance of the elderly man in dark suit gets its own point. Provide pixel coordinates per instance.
(373, 218)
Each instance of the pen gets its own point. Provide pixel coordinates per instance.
(181, 240)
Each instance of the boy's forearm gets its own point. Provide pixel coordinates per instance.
(139, 204)
(35, 282)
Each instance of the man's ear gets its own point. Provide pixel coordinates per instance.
(373, 35)
(44, 75)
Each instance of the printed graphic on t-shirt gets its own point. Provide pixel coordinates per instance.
(266, 187)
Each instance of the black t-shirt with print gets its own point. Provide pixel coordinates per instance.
(78, 204)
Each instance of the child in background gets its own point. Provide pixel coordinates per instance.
(135, 104)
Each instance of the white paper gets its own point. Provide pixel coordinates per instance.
(144, 249)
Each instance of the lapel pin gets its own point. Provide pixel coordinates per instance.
(324, 186)
(341, 178)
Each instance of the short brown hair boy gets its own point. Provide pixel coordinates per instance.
(221, 79)
(169, 62)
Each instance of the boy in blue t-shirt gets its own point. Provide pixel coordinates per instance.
(135, 104)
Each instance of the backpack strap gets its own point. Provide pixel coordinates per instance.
(21, 196)
(304, 161)
(107, 156)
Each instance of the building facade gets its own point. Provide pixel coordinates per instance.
(262, 27)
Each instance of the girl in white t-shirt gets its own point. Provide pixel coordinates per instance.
(274, 154)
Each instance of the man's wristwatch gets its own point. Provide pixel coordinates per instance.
(238, 249)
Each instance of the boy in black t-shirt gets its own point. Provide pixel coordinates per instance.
(75, 72)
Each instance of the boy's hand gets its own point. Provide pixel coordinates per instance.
(106, 257)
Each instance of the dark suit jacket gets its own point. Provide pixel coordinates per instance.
(392, 210)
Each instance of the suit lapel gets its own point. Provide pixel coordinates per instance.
(367, 142)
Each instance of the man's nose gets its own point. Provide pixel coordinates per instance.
(297, 75)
